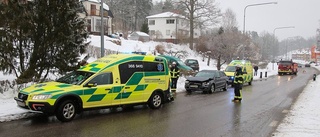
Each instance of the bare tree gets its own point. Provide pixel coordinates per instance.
(200, 13)
(229, 20)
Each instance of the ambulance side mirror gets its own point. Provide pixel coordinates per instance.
(91, 84)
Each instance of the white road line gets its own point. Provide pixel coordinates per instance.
(273, 123)
(285, 111)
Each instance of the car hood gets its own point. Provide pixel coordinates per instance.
(49, 88)
(229, 73)
(198, 79)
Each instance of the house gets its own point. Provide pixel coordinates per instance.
(141, 36)
(169, 26)
(93, 17)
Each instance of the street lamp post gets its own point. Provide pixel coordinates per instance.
(286, 43)
(102, 29)
(274, 30)
(274, 33)
(244, 16)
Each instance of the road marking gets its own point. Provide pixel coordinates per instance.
(273, 123)
(285, 111)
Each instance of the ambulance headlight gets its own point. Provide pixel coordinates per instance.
(232, 77)
(41, 97)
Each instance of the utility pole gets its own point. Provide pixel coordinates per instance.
(102, 29)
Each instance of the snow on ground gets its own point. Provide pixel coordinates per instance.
(302, 120)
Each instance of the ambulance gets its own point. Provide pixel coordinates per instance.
(246, 67)
(112, 81)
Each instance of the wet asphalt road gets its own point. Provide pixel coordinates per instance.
(264, 105)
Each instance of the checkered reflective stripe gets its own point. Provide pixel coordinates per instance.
(93, 67)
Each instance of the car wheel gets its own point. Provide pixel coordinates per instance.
(212, 89)
(189, 91)
(250, 82)
(155, 101)
(225, 87)
(66, 111)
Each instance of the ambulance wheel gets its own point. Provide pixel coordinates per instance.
(155, 101)
(66, 111)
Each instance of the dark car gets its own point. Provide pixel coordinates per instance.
(193, 63)
(307, 65)
(207, 81)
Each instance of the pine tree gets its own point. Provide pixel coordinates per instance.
(42, 36)
(145, 28)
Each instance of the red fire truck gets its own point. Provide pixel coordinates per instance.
(287, 67)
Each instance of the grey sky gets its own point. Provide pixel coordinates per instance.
(304, 15)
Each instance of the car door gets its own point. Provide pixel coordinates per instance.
(218, 79)
(224, 78)
(131, 73)
(97, 91)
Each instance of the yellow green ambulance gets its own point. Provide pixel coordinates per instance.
(111, 81)
(246, 67)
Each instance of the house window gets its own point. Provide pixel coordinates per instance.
(98, 24)
(168, 32)
(93, 9)
(152, 32)
(152, 22)
(170, 21)
(195, 34)
(89, 25)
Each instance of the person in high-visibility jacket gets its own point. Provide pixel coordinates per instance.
(175, 73)
(238, 81)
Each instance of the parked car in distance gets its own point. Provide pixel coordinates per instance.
(207, 81)
(184, 69)
(307, 65)
(193, 63)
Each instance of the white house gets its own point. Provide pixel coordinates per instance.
(169, 25)
(141, 36)
(93, 17)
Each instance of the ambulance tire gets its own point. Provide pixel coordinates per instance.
(66, 111)
(250, 82)
(155, 101)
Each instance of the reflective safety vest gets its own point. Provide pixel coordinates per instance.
(238, 78)
(175, 72)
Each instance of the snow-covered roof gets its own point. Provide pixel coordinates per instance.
(165, 15)
(105, 6)
(141, 33)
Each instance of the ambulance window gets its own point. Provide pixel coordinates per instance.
(128, 69)
(102, 79)
(153, 67)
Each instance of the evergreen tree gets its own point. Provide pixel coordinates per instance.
(145, 28)
(43, 36)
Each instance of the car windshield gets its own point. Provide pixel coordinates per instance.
(192, 62)
(75, 77)
(209, 74)
(231, 69)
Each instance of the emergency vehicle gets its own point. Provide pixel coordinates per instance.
(246, 68)
(287, 67)
(112, 81)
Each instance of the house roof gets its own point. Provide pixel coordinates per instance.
(141, 33)
(165, 15)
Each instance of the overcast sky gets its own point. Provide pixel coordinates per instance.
(304, 15)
